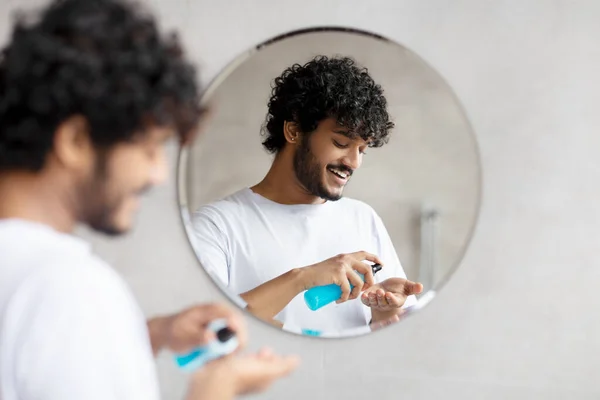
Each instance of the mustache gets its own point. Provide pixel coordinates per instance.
(342, 168)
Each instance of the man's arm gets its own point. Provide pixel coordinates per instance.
(157, 328)
(267, 300)
(270, 298)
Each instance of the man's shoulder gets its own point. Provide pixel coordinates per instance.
(357, 206)
(229, 206)
(47, 265)
(71, 313)
(79, 276)
(70, 293)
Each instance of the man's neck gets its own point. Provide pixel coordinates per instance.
(281, 185)
(32, 198)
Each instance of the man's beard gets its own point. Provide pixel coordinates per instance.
(309, 172)
(101, 203)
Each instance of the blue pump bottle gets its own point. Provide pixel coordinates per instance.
(225, 343)
(320, 296)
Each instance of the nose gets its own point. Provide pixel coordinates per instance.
(353, 159)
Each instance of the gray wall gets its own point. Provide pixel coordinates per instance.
(519, 319)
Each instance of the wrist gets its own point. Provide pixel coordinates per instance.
(215, 380)
(300, 278)
(157, 330)
(378, 316)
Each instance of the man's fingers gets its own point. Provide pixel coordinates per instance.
(256, 372)
(356, 281)
(393, 300)
(208, 312)
(367, 271)
(372, 299)
(411, 288)
(205, 314)
(365, 299)
(381, 299)
(268, 368)
(345, 286)
(265, 353)
(207, 337)
(363, 255)
(354, 293)
(189, 334)
(236, 324)
(278, 367)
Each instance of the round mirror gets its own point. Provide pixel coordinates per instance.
(336, 186)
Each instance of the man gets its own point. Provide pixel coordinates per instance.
(268, 242)
(89, 94)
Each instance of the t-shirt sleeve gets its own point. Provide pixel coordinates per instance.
(78, 335)
(387, 253)
(210, 245)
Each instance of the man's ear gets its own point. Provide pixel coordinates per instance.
(73, 147)
(291, 132)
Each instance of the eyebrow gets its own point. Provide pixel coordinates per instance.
(345, 134)
(341, 132)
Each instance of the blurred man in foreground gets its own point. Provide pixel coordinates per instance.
(89, 94)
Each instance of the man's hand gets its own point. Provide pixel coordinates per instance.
(386, 298)
(342, 270)
(268, 299)
(232, 376)
(187, 330)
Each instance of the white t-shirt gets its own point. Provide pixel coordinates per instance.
(70, 328)
(245, 240)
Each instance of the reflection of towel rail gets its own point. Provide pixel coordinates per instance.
(428, 257)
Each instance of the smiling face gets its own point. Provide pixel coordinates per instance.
(119, 177)
(326, 159)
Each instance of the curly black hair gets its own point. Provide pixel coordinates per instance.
(102, 59)
(327, 88)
